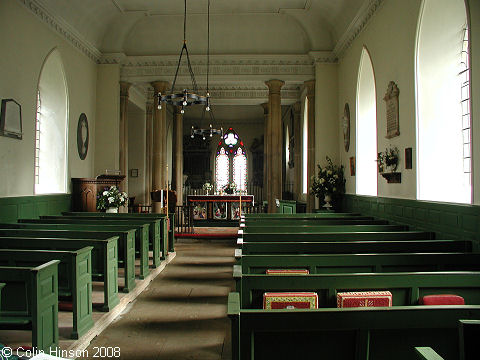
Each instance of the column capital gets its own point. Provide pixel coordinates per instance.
(124, 87)
(310, 86)
(160, 86)
(274, 85)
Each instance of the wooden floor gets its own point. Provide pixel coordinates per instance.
(182, 313)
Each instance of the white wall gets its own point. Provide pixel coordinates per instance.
(26, 42)
(390, 39)
(136, 152)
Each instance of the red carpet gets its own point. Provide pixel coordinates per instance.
(211, 233)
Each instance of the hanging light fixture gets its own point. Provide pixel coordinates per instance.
(186, 97)
(209, 131)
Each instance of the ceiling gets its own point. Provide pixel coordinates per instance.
(251, 41)
(153, 27)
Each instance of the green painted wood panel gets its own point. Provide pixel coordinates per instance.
(447, 220)
(13, 208)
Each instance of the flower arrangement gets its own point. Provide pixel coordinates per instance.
(389, 159)
(230, 188)
(111, 198)
(207, 187)
(330, 181)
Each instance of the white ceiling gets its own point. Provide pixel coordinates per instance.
(155, 27)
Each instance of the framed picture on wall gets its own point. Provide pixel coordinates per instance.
(11, 119)
(352, 166)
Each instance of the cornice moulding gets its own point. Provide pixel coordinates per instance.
(366, 12)
(61, 27)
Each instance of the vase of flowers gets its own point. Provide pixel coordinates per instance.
(110, 199)
(388, 160)
(207, 187)
(329, 185)
(230, 188)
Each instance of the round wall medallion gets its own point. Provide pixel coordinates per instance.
(82, 136)
(346, 127)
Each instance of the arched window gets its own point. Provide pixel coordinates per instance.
(305, 147)
(231, 162)
(366, 172)
(443, 103)
(50, 162)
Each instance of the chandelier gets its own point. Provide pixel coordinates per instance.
(186, 97)
(209, 131)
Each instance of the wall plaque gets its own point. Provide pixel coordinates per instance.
(346, 127)
(391, 100)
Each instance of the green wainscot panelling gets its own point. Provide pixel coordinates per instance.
(18, 207)
(287, 206)
(447, 220)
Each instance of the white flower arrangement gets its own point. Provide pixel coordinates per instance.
(111, 197)
(207, 186)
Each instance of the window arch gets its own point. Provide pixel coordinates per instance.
(443, 102)
(231, 162)
(50, 162)
(366, 128)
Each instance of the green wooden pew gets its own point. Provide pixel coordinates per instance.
(2, 285)
(298, 215)
(169, 239)
(158, 228)
(126, 243)
(74, 278)
(30, 301)
(427, 353)
(141, 234)
(334, 236)
(354, 333)
(358, 263)
(104, 258)
(354, 247)
(311, 222)
(291, 229)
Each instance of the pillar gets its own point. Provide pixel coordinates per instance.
(265, 151)
(310, 87)
(297, 130)
(159, 150)
(148, 150)
(178, 148)
(123, 133)
(274, 156)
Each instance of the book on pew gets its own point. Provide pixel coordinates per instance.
(364, 299)
(290, 300)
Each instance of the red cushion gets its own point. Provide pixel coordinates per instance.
(442, 299)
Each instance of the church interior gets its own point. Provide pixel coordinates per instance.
(160, 159)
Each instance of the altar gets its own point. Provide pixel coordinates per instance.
(218, 207)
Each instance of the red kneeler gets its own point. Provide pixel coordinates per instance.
(364, 299)
(441, 299)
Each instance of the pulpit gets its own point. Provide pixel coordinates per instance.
(84, 190)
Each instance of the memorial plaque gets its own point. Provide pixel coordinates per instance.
(391, 100)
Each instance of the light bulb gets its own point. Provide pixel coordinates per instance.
(159, 107)
(184, 103)
(192, 136)
(203, 137)
(211, 134)
(207, 108)
(182, 111)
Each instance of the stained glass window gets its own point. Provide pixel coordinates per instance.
(231, 162)
(240, 169)
(222, 169)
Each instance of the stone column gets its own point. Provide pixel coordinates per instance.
(148, 150)
(310, 87)
(274, 166)
(123, 134)
(159, 152)
(297, 130)
(266, 151)
(178, 148)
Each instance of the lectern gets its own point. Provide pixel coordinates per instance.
(84, 191)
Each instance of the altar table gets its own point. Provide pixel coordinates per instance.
(218, 207)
